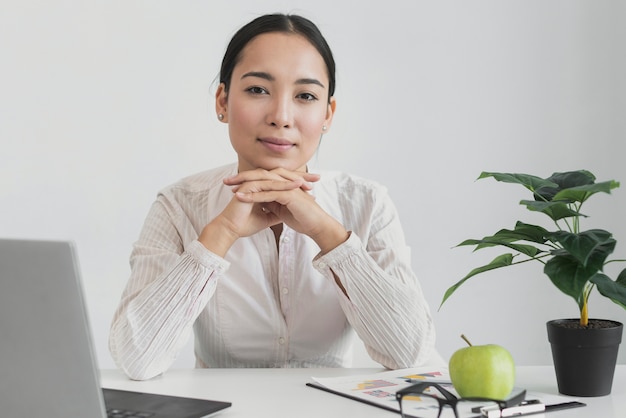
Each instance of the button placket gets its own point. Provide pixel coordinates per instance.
(286, 260)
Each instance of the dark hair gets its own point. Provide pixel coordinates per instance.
(276, 23)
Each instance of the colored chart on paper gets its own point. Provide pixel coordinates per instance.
(380, 394)
(424, 376)
(373, 384)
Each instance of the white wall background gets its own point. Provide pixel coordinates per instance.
(104, 103)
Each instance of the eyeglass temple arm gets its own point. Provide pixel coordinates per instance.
(420, 387)
(505, 403)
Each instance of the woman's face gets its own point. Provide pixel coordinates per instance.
(277, 105)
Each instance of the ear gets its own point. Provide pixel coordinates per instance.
(221, 102)
(330, 112)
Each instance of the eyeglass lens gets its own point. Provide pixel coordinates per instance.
(428, 406)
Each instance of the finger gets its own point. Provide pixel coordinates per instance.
(307, 178)
(265, 185)
(293, 175)
(267, 210)
(277, 174)
(260, 191)
(271, 210)
(251, 175)
(273, 199)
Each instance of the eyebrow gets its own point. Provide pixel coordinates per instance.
(269, 77)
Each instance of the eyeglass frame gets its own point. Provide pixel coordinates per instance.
(451, 400)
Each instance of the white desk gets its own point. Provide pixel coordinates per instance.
(282, 392)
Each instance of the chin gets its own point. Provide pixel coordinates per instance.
(287, 165)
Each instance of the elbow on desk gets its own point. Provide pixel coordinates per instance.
(135, 369)
(140, 377)
(134, 372)
(416, 353)
(426, 356)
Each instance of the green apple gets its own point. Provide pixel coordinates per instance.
(482, 371)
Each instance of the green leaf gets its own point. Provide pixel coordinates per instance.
(568, 275)
(507, 238)
(528, 250)
(582, 193)
(614, 290)
(486, 242)
(555, 210)
(498, 262)
(527, 180)
(567, 179)
(564, 180)
(590, 248)
(526, 232)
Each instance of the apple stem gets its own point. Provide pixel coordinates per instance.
(466, 340)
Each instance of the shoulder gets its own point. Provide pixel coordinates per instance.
(362, 205)
(202, 182)
(345, 184)
(353, 195)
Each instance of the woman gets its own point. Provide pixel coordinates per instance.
(272, 265)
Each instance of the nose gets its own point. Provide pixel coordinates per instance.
(280, 113)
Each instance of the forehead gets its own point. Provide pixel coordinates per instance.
(282, 53)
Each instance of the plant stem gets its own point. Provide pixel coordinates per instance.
(584, 315)
(466, 340)
(577, 217)
(569, 228)
(531, 259)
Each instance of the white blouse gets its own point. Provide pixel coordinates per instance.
(263, 306)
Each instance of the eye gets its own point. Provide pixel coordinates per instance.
(256, 90)
(307, 97)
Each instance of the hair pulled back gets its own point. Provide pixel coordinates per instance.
(277, 22)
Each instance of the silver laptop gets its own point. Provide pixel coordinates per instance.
(47, 362)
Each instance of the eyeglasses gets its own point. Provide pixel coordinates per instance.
(425, 400)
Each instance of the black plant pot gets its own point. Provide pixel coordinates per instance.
(584, 358)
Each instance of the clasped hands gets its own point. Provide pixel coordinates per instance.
(264, 198)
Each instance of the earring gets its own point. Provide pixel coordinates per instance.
(220, 116)
(324, 128)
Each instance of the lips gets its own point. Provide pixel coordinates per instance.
(276, 144)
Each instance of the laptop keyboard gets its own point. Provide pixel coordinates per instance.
(120, 413)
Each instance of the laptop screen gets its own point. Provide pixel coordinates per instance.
(46, 343)
(47, 363)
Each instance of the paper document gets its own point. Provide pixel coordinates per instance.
(379, 389)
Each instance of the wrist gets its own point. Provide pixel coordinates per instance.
(217, 236)
(330, 238)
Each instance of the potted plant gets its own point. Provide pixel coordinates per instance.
(574, 260)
